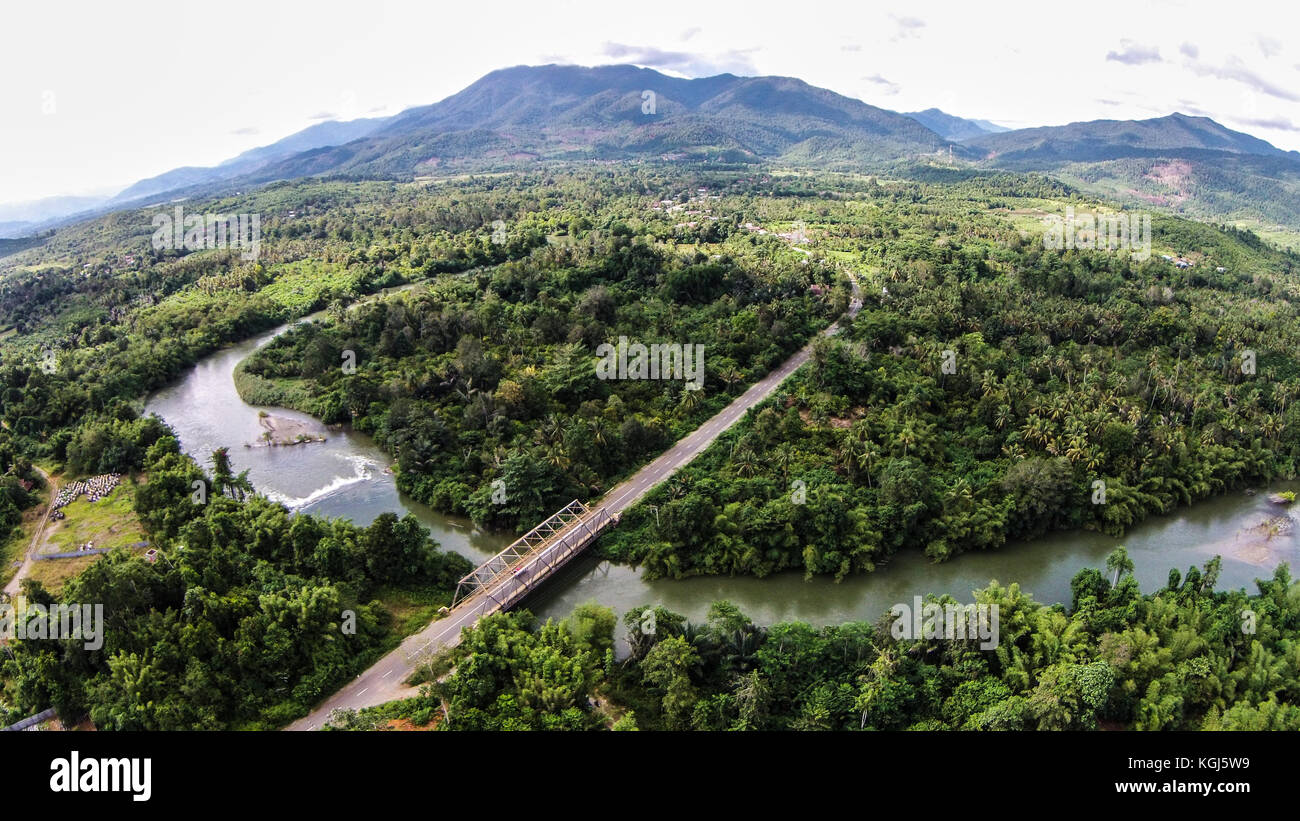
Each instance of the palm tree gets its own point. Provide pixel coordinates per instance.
(1014, 451)
(550, 431)
(1272, 426)
(782, 458)
(850, 450)
(989, 383)
(745, 460)
(1283, 394)
(1037, 429)
(691, 400)
(868, 456)
(908, 436)
(599, 429)
(1058, 407)
(1119, 563)
(679, 485)
(1002, 416)
(557, 457)
(1076, 448)
(730, 376)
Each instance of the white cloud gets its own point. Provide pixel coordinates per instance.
(1134, 54)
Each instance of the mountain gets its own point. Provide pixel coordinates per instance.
(517, 116)
(20, 219)
(951, 127)
(526, 113)
(1189, 165)
(321, 135)
(1037, 148)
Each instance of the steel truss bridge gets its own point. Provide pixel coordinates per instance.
(501, 581)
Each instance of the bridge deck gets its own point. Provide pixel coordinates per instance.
(512, 574)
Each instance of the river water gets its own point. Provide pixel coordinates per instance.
(346, 477)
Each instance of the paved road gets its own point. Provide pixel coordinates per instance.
(383, 681)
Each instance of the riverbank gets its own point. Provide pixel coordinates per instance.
(292, 394)
(345, 477)
(257, 390)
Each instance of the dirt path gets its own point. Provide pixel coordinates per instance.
(12, 587)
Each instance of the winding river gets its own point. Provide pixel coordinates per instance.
(346, 476)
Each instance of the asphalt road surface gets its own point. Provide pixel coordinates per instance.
(384, 681)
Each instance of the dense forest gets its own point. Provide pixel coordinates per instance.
(488, 378)
(1166, 384)
(249, 616)
(1182, 658)
(981, 395)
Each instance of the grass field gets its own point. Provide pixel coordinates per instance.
(11, 553)
(296, 286)
(54, 573)
(258, 390)
(109, 522)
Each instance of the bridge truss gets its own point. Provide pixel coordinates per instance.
(572, 527)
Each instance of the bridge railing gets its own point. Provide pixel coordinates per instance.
(574, 519)
(529, 560)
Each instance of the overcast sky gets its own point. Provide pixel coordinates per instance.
(98, 95)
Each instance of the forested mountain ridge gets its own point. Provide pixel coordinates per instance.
(1112, 139)
(527, 113)
(516, 117)
(513, 117)
(1186, 165)
(954, 128)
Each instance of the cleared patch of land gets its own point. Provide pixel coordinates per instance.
(54, 573)
(108, 523)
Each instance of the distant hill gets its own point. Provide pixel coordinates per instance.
(518, 116)
(527, 113)
(317, 136)
(20, 219)
(1039, 148)
(954, 128)
(1189, 165)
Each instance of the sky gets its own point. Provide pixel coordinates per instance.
(96, 96)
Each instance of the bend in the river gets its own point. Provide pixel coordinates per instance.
(346, 476)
